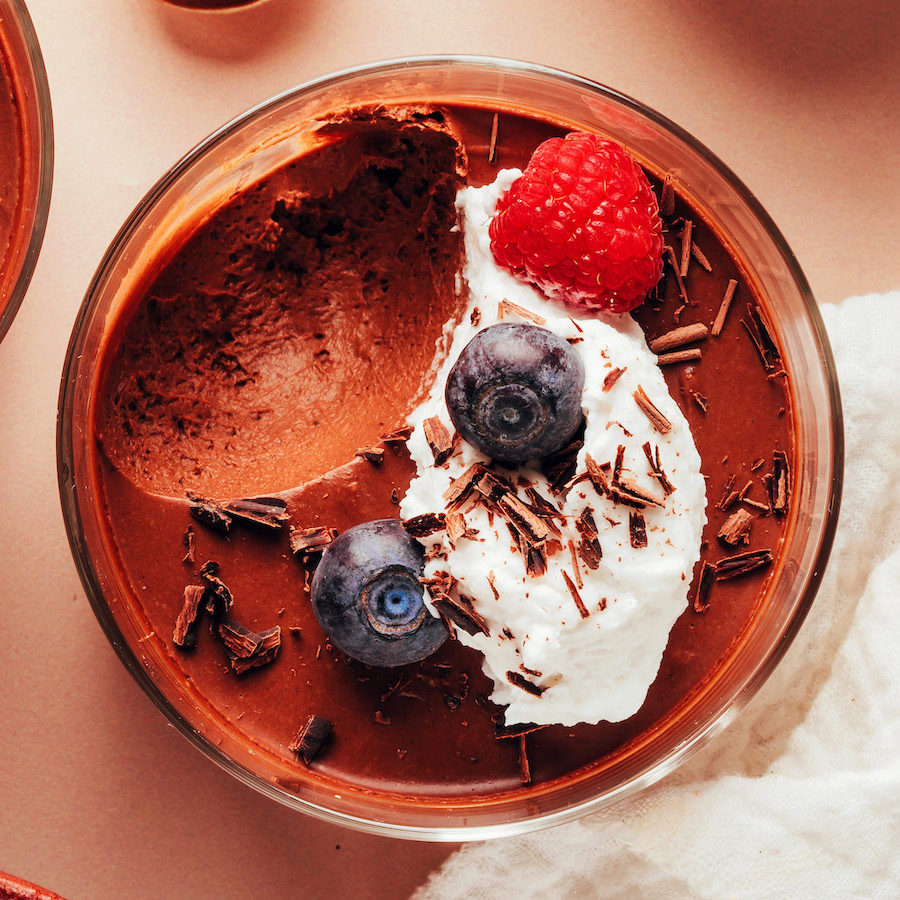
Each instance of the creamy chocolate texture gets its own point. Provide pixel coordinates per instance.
(295, 329)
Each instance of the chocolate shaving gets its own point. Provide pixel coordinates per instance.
(704, 585)
(188, 540)
(667, 197)
(700, 400)
(579, 603)
(249, 649)
(461, 488)
(679, 356)
(596, 475)
(534, 528)
(760, 333)
(686, 247)
(676, 268)
(655, 468)
(589, 546)
(185, 632)
(678, 337)
(475, 317)
(778, 484)
(424, 524)
(524, 765)
(209, 513)
(306, 541)
(659, 422)
(617, 465)
(270, 512)
(742, 564)
(736, 529)
(699, 255)
(461, 615)
(455, 524)
(543, 507)
(611, 378)
(637, 530)
(520, 681)
(503, 731)
(729, 494)
(492, 147)
(311, 738)
(561, 467)
(630, 493)
(398, 435)
(507, 306)
(218, 596)
(374, 455)
(439, 439)
(573, 553)
(719, 322)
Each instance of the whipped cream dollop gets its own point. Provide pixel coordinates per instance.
(573, 622)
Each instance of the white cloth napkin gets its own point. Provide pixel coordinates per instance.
(800, 797)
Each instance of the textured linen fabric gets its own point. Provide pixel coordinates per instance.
(800, 797)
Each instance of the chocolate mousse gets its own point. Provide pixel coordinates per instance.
(252, 403)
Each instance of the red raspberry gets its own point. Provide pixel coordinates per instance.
(582, 223)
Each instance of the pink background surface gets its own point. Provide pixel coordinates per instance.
(99, 796)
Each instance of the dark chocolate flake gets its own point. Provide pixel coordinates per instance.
(494, 142)
(611, 378)
(374, 455)
(779, 483)
(218, 595)
(311, 738)
(270, 512)
(760, 332)
(704, 585)
(656, 469)
(306, 541)
(507, 306)
(439, 439)
(461, 615)
(398, 435)
(503, 731)
(576, 596)
(742, 564)
(589, 546)
(679, 356)
(189, 542)
(725, 305)
(736, 529)
(424, 525)
(700, 256)
(637, 530)
(678, 337)
(185, 632)
(248, 649)
(657, 419)
(630, 493)
(209, 513)
(524, 765)
(520, 681)
(596, 475)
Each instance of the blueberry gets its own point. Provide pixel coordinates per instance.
(368, 599)
(515, 392)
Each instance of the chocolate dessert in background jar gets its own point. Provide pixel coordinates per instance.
(444, 475)
(26, 156)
